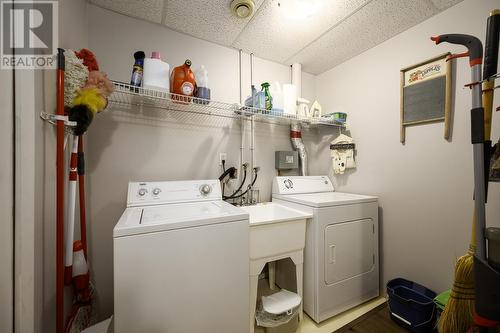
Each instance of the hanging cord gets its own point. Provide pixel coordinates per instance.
(256, 170)
(241, 185)
(223, 172)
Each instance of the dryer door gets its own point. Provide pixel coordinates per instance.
(349, 250)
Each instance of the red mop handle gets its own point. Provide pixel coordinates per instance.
(473, 44)
(81, 195)
(60, 195)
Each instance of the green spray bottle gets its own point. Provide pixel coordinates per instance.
(267, 94)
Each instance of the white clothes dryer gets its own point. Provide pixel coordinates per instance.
(341, 256)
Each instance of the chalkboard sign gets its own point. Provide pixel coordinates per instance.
(426, 94)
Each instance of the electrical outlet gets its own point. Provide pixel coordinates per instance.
(222, 156)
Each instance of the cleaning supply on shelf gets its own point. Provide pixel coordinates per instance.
(182, 82)
(303, 108)
(315, 110)
(138, 69)
(250, 101)
(156, 74)
(335, 117)
(267, 94)
(259, 101)
(202, 90)
(290, 99)
(277, 95)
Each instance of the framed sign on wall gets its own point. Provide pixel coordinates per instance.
(426, 94)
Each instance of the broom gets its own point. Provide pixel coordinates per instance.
(458, 314)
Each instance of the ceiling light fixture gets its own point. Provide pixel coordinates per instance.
(299, 9)
(242, 8)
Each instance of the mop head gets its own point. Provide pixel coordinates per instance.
(75, 77)
(83, 314)
(458, 314)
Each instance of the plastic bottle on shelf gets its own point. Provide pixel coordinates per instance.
(138, 69)
(202, 89)
(156, 73)
(268, 97)
(182, 82)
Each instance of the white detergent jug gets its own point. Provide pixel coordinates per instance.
(156, 73)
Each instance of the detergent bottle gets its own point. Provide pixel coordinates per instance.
(137, 70)
(156, 73)
(182, 82)
(202, 90)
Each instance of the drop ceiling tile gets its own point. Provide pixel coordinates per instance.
(210, 20)
(443, 4)
(370, 26)
(149, 10)
(275, 34)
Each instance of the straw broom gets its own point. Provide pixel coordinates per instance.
(457, 316)
(458, 313)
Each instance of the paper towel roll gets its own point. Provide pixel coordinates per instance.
(297, 78)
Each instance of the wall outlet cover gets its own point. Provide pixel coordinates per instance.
(222, 156)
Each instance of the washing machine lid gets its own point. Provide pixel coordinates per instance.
(141, 220)
(326, 199)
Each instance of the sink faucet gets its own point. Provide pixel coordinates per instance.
(252, 196)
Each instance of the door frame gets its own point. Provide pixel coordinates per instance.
(7, 201)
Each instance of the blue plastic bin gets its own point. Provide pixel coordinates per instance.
(411, 305)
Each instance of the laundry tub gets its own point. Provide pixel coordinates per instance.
(276, 232)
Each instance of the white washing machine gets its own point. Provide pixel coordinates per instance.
(341, 260)
(180, 260)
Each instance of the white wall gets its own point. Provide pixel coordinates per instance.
(425, 186)
(157, 145)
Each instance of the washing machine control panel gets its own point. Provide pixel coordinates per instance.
(301, 184)
(151, 193)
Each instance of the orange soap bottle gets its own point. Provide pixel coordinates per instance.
(182, 82)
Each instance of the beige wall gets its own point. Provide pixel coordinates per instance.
(6, 200)
(425, 186)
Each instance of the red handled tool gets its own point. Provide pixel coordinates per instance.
(60, 195)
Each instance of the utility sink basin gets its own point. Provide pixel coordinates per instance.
(275, 229)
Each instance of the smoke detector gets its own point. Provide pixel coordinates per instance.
(242, 8)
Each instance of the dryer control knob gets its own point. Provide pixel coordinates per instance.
(205, 189)
(288, 183)
(142, 192)
(156, 191)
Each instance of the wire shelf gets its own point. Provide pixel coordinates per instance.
(128, 95)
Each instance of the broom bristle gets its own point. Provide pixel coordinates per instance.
(458, 314)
